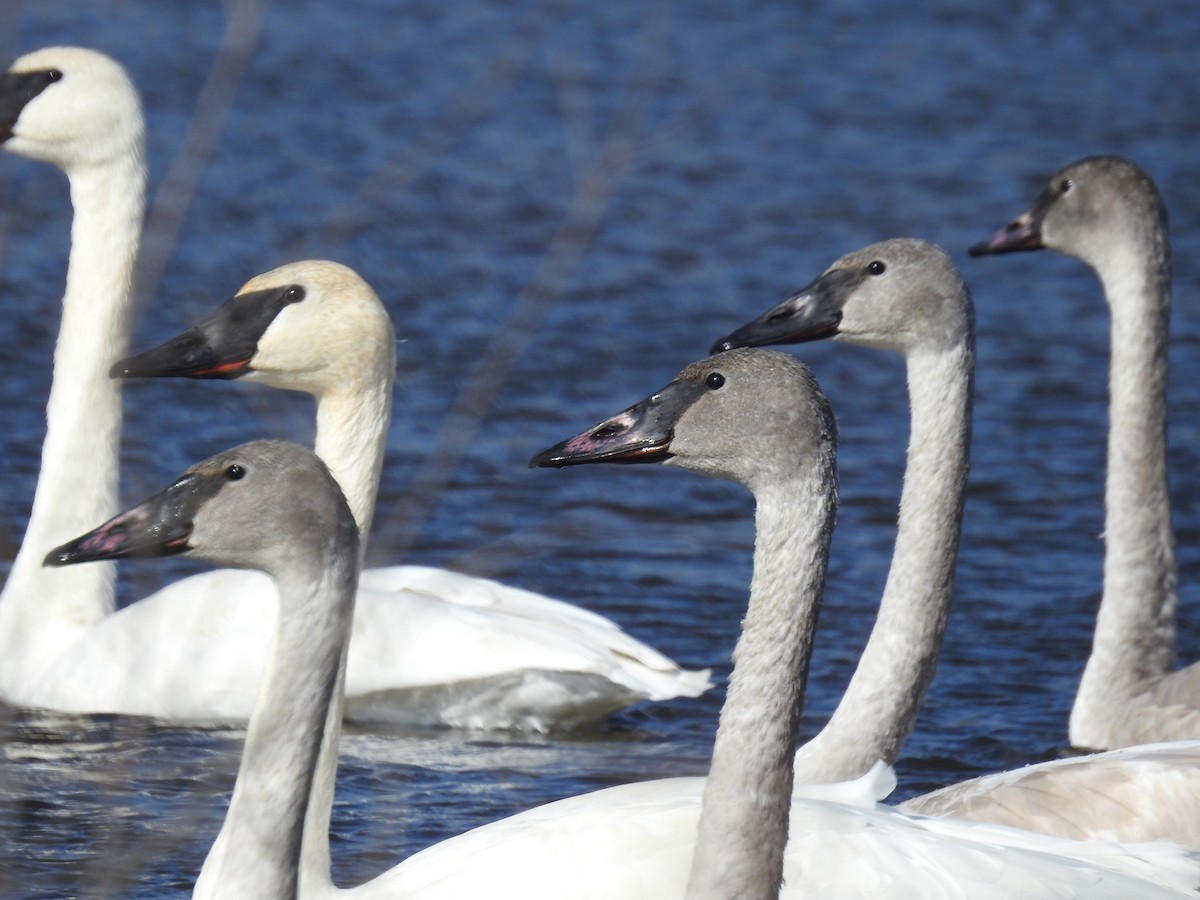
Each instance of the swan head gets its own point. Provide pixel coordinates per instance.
(263, 505)
(313, 326)
(1086, 210)
(903, 294)
(71, 107)
(735, 416)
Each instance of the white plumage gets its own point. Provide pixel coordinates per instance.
(430, 648)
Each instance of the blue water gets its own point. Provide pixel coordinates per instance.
(562, 206)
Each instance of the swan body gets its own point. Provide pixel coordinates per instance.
(196, 649)
(78, 110)
(636, 841)
(906, 296)
(1106, 212)
(631, 841)
(195, 652)
(1143, 793)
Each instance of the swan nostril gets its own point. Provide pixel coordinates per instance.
(608, 430)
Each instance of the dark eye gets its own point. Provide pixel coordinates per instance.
(53, 75)
(1065, 185)
(714, 380)
(235, 473)
(876, 267)
(294, 294)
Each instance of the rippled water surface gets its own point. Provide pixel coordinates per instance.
(562, 206)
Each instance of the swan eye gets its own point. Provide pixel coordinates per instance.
(714, 380)
(294, 294)
(235, 473)
(1065, 185)
(876, 267)
(53, 75)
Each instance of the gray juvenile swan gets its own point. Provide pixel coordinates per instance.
(273, 506)
(1106, 212)
(880, 297)
(903, 295)
(193, 650)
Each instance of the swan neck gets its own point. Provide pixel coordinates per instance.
(881, 703)
(1134, 643)
(42, 610)
(267, 842)
(316, 863)
(747, 796)
(352, 427)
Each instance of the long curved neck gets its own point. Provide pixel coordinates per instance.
(747, 796)
(352, 426)
(42, 609)
(258, 852)
(881, 703)
(316, 863)
(1134, 642)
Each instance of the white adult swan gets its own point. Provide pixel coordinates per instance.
(430, 646)
(195, 650)
(630, 842)
(78, 110)
(1106, 212)
(905, 295)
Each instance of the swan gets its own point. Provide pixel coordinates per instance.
(1107, 213)
(903, 295)
(78, 110)
(274, 506)
(430, 646)
(194, 651)
(929, 318)
(457, 650)
(758, 418)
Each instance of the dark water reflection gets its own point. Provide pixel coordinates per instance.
(614, 187)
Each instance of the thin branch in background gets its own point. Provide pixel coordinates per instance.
(10, 541)
(243, 26)
(471, 106)
(595, 188)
